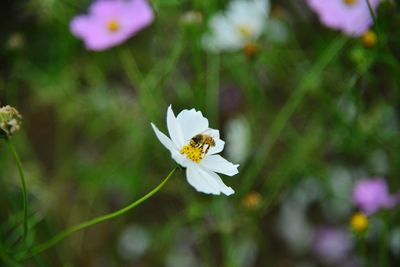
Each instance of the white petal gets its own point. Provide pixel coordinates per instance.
(174, 129)
(224, 35)
(216, 163)
(219, 146)
(213, 132)
(191, 122)
(263, 5)
(251, 14)
(207, 182)
(178, 157)
(164, 139)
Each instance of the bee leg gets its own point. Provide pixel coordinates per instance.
(207, 148)
(194, 144)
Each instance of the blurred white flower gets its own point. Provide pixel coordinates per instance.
(182, 253)
(195, 146)
(394, 242)
(298, 235)
(133, 242)
(336, 204)
(237, 139)
(241, 25)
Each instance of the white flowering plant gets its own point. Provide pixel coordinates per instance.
(199, 157)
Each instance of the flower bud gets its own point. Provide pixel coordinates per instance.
(252, 200)
(369, 39)
(10, 121)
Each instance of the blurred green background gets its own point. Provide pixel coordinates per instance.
(315, 108)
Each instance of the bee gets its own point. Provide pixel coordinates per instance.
(203, 141)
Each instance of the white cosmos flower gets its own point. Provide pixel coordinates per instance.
(201, 161)
(242, 23)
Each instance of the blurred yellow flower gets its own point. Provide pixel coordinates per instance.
(369, 39)
(252, 200)
(359, 222)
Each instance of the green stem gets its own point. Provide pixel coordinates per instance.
(371, 11)
(50, 243)
(213, 68)
(130, 66)
(362, 247)
(24, 192)
(9, 261)
(373, 16)
(383, 246)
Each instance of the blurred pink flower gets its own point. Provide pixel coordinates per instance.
(111, 22)
(371, 195)
(350, 16)
(332, 245)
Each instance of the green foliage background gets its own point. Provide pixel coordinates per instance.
(318, 101)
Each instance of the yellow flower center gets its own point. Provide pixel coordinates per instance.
(350, 2)
(359, 222)
(245, 30)
(369, 39)
(113, 25)
(194, 153)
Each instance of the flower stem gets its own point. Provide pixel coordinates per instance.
(373, 16)
(50, 243)
(130, 66)
(8, 260)
(213, 68)
(371, 11)
(24, 192)
(383, 246)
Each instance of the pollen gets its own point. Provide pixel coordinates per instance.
(350, 2)
(245, 30)
(359, 222)
(113, 26)
(195, 154)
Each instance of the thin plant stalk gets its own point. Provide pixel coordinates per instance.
(371, 11)
(383, 247)
(59, 237)
(9, 261)
(24, 191)
(373, 16)
(213, 68)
